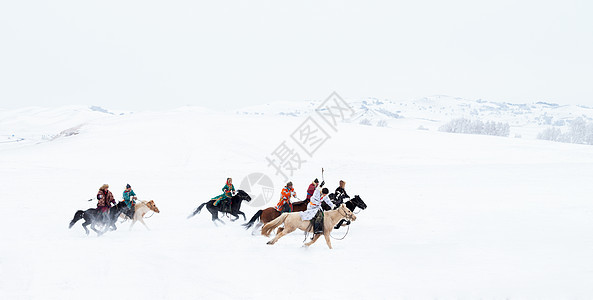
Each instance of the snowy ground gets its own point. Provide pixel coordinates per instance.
(449, 216)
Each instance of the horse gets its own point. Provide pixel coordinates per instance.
(94, 217)
(270, 213)
(293, 221)
(140, 210)
(235, 207)
(352, 204)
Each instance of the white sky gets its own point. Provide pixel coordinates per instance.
(227, 54)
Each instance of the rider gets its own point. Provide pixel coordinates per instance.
(105, 199)
(130, 200)
(285, 205)
(228, 191)
(312, 188)
(341, 193)
(314, 211)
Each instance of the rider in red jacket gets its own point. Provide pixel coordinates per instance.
(105, 198)
(312, 188)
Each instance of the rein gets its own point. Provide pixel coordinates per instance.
(148, 209)
(346, 215)
(339, 239)
(349, 218)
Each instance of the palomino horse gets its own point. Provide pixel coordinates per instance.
(293, 221)
(351, 204)
(140, 210)
(270, 213)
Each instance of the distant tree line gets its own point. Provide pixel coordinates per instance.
(579, 132)
(468, 126)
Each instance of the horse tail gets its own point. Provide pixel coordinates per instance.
(255, 217)
(77, 216)
(270, 226)
(197, 211)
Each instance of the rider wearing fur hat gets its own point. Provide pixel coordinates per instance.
(105, 198)
(341, 193)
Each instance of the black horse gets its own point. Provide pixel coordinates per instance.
(234, 209)
(351, 204)
(94, 217)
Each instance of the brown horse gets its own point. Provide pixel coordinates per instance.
(270, 213)
(293, 221)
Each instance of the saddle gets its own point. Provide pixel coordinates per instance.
(317, 222)
(129, 212)
(225, 206)
(300, 202)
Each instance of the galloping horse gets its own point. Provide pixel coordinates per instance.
(351, 204)
(94, 217)
(270, 213)
(235, 207)
(293, 221)
(140, 210)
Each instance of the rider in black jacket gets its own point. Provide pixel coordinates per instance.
(341, 193)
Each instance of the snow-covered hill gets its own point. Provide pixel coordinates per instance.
(526, 120)
(449, 216)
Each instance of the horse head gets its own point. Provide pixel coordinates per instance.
(119, 206)
(116, 210)
(358, 202)
(241, 194)
(150, 204)
(346, 213)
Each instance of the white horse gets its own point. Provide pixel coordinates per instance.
(293, 221)
(140, 210)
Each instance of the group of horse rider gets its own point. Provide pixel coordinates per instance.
(316, 195)
(105, 199)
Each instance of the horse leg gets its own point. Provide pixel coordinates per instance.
(257, 228)
(84, 225)
(276, 238)
(133, 222)
(327, 240)
(315, 237)
(219, 220)
(95, 229)
(102, 231)
(142, 221)
(241, 213)
(339, 224)
(215, 218)
(236, 218)
(280, 229)
(281, 234)
(214, 213)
